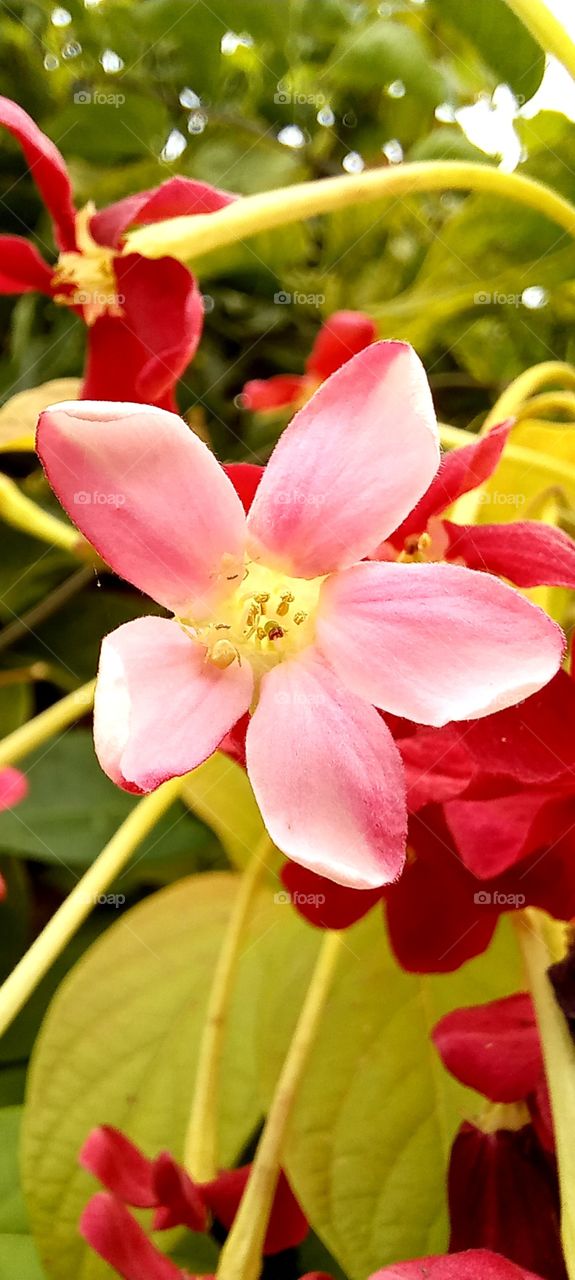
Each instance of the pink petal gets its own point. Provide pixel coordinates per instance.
(47, 168)
(178, 197)
(460, 471)
(263, 395)
(160, 708)
(473, 1264)
(349, 467)
(493, 1048)
(116, 1236)
(13, 788)
(120, 1166)
(435, 642)
(528, 552)
(22, 269)
(340, 338)
(142, 354)
(149, 495)
(245, 477)
(327, 776)
(179, 1201)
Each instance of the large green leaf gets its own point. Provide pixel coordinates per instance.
(72, 810)
(18, 1256)
(371, 1132)
(505, 45)
(119, 1046)
(384, 52)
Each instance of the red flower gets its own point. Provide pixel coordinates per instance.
(144, 316)
(503, 1186)
(342, 336)
(474, 1264)
(527, 552)
(164, 1186)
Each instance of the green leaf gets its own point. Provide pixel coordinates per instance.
(119, 1046)
(385, 51)
(73, 809)
(12, 1208)
(220, 793)
(505, 44)
(371, 1132)
(19, 1259)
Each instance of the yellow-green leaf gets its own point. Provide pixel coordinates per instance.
(18, 417)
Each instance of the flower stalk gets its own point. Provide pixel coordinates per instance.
(241, 1256)
(62, 714)
(22, 513)
(523, 388)
(188, 238)
(51, 942)
(201, 1145)
(542, 942)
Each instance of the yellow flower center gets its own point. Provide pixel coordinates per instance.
(268, 618)
(88, 274)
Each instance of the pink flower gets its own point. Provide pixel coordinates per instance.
(473, 1264)
(13, 788)
(275, 612)
(342, 336)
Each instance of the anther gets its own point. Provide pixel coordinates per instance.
(284, 605)
(274, 632)
(299, 617)
(223, 654)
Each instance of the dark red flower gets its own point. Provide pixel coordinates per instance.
(164, 1186)
(474, 1264)
(527, 552)
(144, 316)
(340, 338)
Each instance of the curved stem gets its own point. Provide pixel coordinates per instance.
(190, 237)
(543, 941)
(201, 1145)
(548, 30)
(47, 724)
(51, 942)
(548, 403)
(18, 510)
(241, 1256)
(525, 386)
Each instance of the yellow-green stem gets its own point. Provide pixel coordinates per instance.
(547, 404)
(201, 1145)
(526, 385)
(81, 901)
(241, 1256)
(548, 30)
(47, 724)
(542, 942)
(18, 510)
(190, 237)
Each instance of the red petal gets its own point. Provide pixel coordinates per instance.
(120, 1166)
(47, 167)
(262, 395)
(22, 269)
(179, 1199)
(492, 835)
(120, 1240)
(141, 355)
(503, 1195)
(460, 471)
(245, 477)
(493, 1048)
(340, 338)
(533, 742)
(287, 1226)
(437, 765)
(474, 1264)
(434, 922)
(322, 902)
(527, 552)
(178, 197)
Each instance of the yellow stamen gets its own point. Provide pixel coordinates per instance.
(87, 274)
